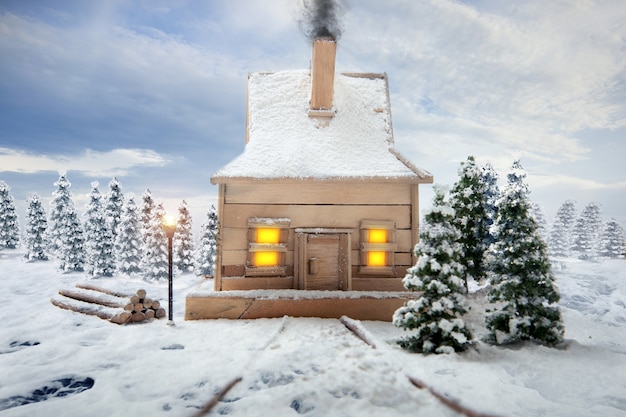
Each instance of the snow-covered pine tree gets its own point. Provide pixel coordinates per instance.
(537, 213)
(60, 204)
(9, 222)
(113, 206)
(147, 209)
(35, 230)
(612, 240)
(183, 247)
(523, 289)
(492, 194)
(65, 232)
(129, 241)
(560, 233)
(469, 201)
(155, 265)
(207, 245)
(100, 260)
(579, 239)
(585, 234)
(436, 315)
(71, 236)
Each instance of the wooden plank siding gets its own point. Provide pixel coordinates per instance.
(314, 204)
(310, 192)
(310, 216)
(238, 239)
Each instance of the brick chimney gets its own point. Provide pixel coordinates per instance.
(322, 75)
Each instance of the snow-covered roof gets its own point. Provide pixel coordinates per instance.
(284, 142)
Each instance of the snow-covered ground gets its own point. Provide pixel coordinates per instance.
(292, 366)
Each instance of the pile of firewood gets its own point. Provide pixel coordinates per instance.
(142, 308)
(116, 307)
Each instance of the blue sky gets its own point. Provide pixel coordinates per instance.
(154, 92)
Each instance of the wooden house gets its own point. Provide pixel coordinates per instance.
(319, 215)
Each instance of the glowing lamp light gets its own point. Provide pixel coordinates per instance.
(169, 225)
(264, 235)
(378, 236)
(377, 258)
(265, 259)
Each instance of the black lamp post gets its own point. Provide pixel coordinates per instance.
(169, 227)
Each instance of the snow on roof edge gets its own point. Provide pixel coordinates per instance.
(270, 125)
(422, 173)
(423, 177)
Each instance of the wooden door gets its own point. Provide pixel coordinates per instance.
(324, 261)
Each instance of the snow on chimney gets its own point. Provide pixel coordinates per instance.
(322, 77)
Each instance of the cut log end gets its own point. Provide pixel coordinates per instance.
(138, 316)
(122, 318)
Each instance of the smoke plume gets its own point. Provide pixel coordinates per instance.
(321, 18)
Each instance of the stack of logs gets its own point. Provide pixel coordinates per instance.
(142, 308)
(135, 308)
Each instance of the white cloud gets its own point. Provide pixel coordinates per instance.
(578, 182)
(116, 162)
(152, 73)
(522, 77)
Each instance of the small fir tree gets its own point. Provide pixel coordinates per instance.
(35, 231)
(469, 201)
(436, 315)
(155, 262)
(129, 241)
(147, 210)
(9, 222)
(560, 233)
(113, 206)
(523, 289)
(612, 240)
(61, 204)
(72, 250)
(537, 213)
(100, 260)
(586, 232)
(492, 194)
(579, 239)
(65, 232)
(207, 245)
(183, 246)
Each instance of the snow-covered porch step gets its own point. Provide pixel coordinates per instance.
(253, 304)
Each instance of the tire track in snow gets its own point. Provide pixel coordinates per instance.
(209, 405)
(339, 376)
(362, 333)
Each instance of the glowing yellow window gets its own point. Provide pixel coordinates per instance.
(378, 246)
(376, 258)
(264, 235)
(267, 246)
(377, 236)
(265, 259)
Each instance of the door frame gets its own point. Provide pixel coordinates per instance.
(301, 264)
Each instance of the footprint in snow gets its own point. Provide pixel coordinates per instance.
(16, 345)
(63, 387)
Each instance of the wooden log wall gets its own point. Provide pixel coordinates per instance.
(315, 204)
